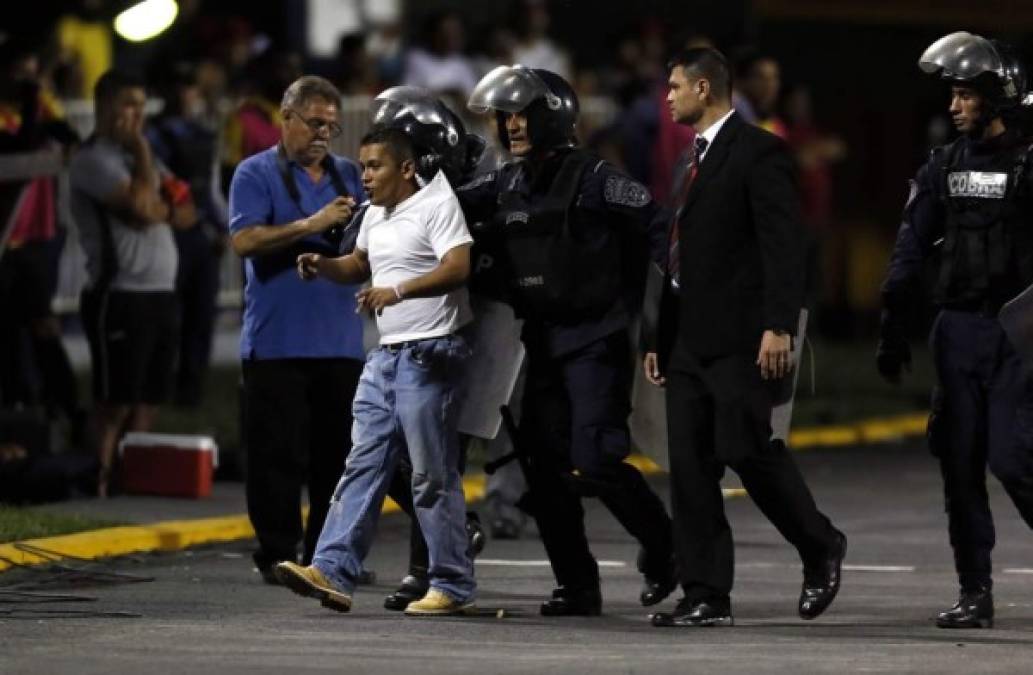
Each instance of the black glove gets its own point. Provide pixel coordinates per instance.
(891, 356)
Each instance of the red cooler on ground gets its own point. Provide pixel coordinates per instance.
(172, 465)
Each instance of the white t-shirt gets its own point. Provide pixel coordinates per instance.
(408, 243)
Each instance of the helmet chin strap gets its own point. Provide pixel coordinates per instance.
(978, 127)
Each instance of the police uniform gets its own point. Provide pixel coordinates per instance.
(971, 206)
(575, 234)
(967, 226)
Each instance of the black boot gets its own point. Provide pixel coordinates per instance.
(474, 534)
(413, 588)
(974, 609)
(568, 601)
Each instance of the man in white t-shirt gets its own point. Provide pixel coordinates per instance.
(415, 244)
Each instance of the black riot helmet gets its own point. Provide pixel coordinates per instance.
(548, 101)
(990, 67)
(437, 134)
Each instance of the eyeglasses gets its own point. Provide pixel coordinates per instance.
(317, 125)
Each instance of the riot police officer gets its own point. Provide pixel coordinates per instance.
(574, 234)
(969, 213)
(441, 143)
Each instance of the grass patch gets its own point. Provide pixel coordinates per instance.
(218, 415)
(18, 523)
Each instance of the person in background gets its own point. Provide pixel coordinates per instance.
(85, 45)
(533, 47)
(440, 64)
(31, 119)
(255, 125)
(187, 146)
(126, 205)
(816, 153)
(758, 81)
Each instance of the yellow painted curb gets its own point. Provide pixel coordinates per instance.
(171, 535)
(644, 464)
(875, 430)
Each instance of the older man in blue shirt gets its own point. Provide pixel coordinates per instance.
(300, 343)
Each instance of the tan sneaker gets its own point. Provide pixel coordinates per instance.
(436, 603)
(310, 582)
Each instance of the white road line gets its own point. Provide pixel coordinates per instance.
(879, 568)
(849, 568)
(498, 562)
(1018, 570)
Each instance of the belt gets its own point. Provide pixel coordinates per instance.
(396, 347)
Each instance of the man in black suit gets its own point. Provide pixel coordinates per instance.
(732, 294)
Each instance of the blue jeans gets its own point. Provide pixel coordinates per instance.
(407, 401)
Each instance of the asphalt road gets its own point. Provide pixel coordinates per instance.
(207, 611)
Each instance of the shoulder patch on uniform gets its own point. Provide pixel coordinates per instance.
(624, 191)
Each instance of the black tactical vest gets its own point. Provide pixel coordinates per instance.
(987, 253)
(560, 269)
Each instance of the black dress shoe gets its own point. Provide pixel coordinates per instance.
(412, 588)
(657, 584)
(974, 609)
(656, 590)
(821, 583)
(567, 601)
(696, 613)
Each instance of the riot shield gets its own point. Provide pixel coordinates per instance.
(648, 420)
(492, 371)
(1016, 318)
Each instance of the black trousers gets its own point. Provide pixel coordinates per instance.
(575, 410)
(718, 415)
(982, 415)
(297, 431)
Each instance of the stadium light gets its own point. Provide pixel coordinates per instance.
(146, 19)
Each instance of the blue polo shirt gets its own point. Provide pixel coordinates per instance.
(285, 317)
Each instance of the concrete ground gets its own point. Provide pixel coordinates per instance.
(207, 611)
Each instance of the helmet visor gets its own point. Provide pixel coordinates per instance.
(961, 56)
(509, 89)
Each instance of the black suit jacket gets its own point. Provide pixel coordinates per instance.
(742, 249)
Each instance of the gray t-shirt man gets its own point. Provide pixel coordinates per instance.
(146, 257)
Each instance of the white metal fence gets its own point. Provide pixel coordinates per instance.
(595, 111)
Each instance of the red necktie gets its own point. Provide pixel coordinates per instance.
(699, 146)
